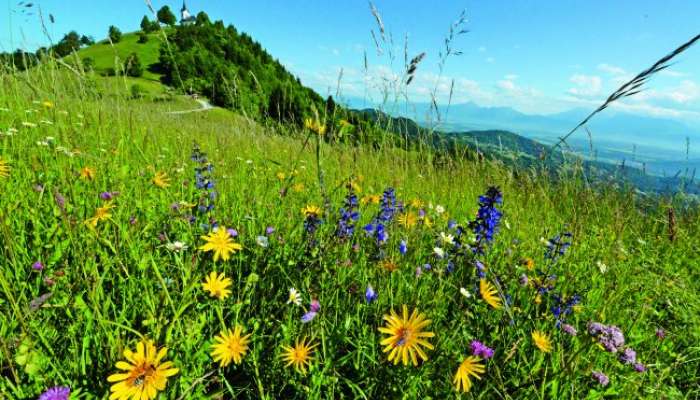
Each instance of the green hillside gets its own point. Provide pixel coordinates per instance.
(106, 55)
(239, 253)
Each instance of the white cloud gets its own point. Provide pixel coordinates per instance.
(490, 60)
(672, 73)
(611, 69)
(481, 49)
(586, 85)
(507, 85)
(511, 77)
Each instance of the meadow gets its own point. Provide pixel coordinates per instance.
(348, 271)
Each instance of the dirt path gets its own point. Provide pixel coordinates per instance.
(205, 105)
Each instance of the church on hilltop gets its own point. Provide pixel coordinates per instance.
(186, 18)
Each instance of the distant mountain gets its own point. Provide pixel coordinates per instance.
(656, 144)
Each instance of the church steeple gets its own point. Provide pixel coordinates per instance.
(185, 17)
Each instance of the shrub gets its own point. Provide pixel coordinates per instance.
(137, 91)
(143, 37)
(132, 66)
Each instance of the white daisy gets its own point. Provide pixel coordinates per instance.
(294, 297)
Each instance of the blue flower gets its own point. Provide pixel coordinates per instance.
(403, 247)
(487, 219)
(370, 294)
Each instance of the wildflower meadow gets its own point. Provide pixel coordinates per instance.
(150, 255)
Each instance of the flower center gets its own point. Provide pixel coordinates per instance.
(141, 374)
(404, 335)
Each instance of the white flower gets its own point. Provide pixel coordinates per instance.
(602, 267)
(447, 238)
(176, 246)
(506, 223)
(294, 297)
(29, 124)
(262, 241)
(439, 252)
(465, 292)
(439, 209)
(248, 161)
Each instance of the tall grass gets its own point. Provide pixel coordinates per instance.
(100, 291)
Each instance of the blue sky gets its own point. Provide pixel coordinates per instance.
(534, 56)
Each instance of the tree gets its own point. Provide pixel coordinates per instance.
(143, 37)
(115, 35)
(203, 18)
(165, 16)
(133, 67)
(146, 24)
(69, 43)
(87, 40)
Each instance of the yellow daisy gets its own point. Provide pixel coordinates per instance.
(529, 263)
(315, 125)
(87, 173)
(101, 214)
(281, 176)
(299, 356)
(469, 367)
(406, 337)
(221, 244)
(311, 210)
(542, 341)
(144, 374)
(408, 219)
(370, 199)
(161, 180)
(230, 346)
(417, 203)
(4, 169)
(489, 294)
(217, 285)
(298, 187)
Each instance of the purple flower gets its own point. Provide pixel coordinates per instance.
(232, 232)
(403, 247)
(660, 333)
(308, 317)
(569, 329)
(602, 379)
(108, 195)
(38, 266)
(60, 201)
(39, 188)
(419, 271)
(370, 294)
(315, 305)
(595, 328)
(628, 356)
(480, 350)
(524, 280)
(313, 311)
(56, 393)
(639, 367)
(269, 230)
(427, 267)
(132, 220)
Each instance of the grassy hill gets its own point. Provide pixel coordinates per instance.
(106, 55)
(115, 213)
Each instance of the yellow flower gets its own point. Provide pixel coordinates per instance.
(299, 356)
(538, 299)
(390, 265)
(311, 210)
(370, 199)
(101, 214)
(427, 222)
(470, 366)
(4, 169)
(406, 337)
(221, 244)
(161, 180)
(489, 294)
(144, 373)
(87, 173)
(542, 341)
(281, 176)
(417, 203)
(408, 219)
(298, 187)
(217, 285)
(314, 125)
(230, 346)
(48, 104)
(529, 263)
